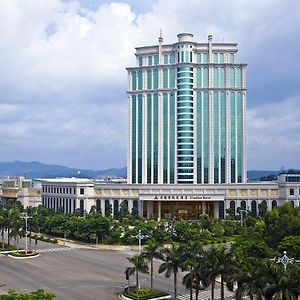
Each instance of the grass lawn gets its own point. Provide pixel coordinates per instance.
(143, 293)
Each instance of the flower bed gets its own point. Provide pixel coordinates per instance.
(144, 293)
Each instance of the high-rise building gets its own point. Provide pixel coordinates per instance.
(187, 104)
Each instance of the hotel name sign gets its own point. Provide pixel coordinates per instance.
(182, 197)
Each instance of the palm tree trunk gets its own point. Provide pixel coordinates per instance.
(197, 289)
(151, 271)
(137, 279)
(2, 234)
(222, 287)
(191, 291)
(175, 285)
(213, 289)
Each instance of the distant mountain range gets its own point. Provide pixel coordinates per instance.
(36, 169)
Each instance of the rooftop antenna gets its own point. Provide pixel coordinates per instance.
(160, 39)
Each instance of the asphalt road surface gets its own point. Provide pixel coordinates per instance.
(76, 274)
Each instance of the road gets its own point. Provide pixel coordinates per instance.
(76, 274)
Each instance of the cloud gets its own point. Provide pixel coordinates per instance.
(274, 136)
(63, 78)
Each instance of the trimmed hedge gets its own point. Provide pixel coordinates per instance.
(44, 239)
(22, 254)
(143, 293)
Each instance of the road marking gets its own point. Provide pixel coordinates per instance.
(205, 295)
(60, 249)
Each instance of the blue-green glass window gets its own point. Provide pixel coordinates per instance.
(185, 98)
(185, 158)
(185, 140)
(185, 152)
(191, 56)
(199, 137)
(184, 122)
(216, 78)
(133, 80)
(140, 137)
(172, 78)
(185, 92)
(172, 59)
(239, 106)
(185, 134)
(205, 136)
(133, 134)
(187, 56)
(232, 137)
(184, 110)
(149, 136)
(185, 171)
(149, 60)
(238, 77)
(221, 58)
(182, 56)
(223, 136)
(149, 79)
(184, 74)
(185, 146)
(185, 165)
(185, 176)
(140, 80)
(185, 80)
(155, 79)
(166, 59)
(185, 128)
(185, 69)
(184, 86)
(204, 56)
(205, 77)
(155, 138)
(172, 137)
(165, 78)
(178, 57)
(215, 58)
(185, 104)
(156, 59)
(184, 116)
(231, 58)
(140, 61)
(165, 137)
(198, 58)
(222, 77)
(198, 77)
(231, 76)
(216, 138)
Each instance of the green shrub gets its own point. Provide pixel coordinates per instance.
(143, 293)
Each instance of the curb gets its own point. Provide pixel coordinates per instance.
(32, 256)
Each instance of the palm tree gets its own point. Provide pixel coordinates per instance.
(3, 221)
(151, 252)
(139, 265)
(285, 284)
(172, 262)
(217, 261)
(194, 278)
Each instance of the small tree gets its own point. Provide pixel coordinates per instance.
(139, 265)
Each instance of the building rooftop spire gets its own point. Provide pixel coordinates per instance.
(160, 39)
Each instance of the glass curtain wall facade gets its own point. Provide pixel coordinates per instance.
(187, 114)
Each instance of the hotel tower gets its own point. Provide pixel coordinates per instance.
(187, 104)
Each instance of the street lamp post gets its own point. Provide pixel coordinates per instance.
(241, 211)
(26, 217)
(140, 237)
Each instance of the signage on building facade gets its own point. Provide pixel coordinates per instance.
(186, 197)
